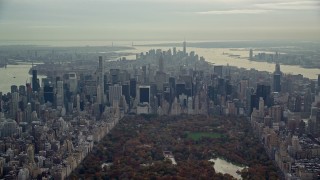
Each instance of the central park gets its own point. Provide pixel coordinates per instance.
(177, 147)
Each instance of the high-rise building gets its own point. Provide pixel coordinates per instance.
(180, 89)
(174, 51)
(251, 54)
(115, 76)
(276, 113)
(60, 94)
(133, 88)
(48, 93)
(243, 89)
(1, 103)
(261, 107)
(161, 65)
(28, 113)
(277, 69)
(15, 104)
(78, 103)
(253, 102)
(35, 81)
(276, 82)
(73, 82)
(144, 94)
(100, 79)
(126, 92)
(172, 86)
(8, 128)
(115, 93)
(144, 74)
(30, 152)
(264, 92)
(14, 88)
(218, 70)
(184, 47)
(22, 90)
(99, 94)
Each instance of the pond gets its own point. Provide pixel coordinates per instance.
(224, 167)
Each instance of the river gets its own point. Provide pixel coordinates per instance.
(14, 75)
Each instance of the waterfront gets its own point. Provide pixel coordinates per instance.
(219, 56)
(14, 75)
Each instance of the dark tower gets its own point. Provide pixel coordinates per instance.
(264, 92)
(35, 85)
(126, 92)
(276, 83)
(144, 94)
(48, 93)
(133, 88)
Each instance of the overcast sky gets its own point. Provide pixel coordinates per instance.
(159, 19)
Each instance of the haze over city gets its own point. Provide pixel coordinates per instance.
(160, 89)
(202, 20)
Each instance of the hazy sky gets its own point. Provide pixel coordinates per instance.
(159, 19)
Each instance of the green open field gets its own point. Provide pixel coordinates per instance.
(198, 135)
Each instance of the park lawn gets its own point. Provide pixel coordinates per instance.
(198, 135)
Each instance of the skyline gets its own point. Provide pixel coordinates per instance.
(159, 20)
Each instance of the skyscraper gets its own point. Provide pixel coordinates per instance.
(15, 104)
(243, 89)
(261, 107)
(73, 82)
(251, 54)
(35, 85)
(100, 79)
(180, 89)
(144, 74)
(144, 94)
(14, 88)
(277, 69)
(264, 92)
(115, 93)
(174, 51)
(126, 92)
(22, 90)
(60, 94)
(276, 82)
(184, 47)
(133, 88)
(161, 65)
(48, 93)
